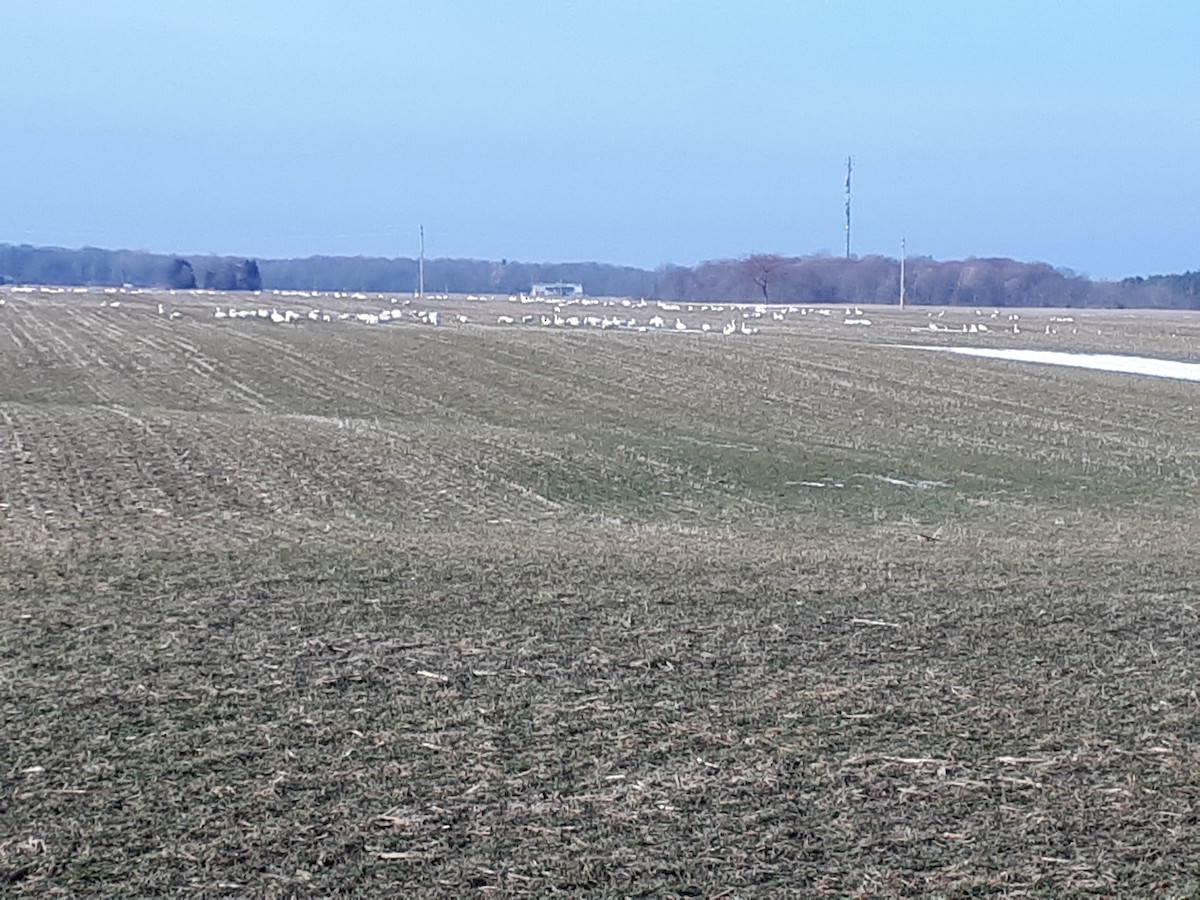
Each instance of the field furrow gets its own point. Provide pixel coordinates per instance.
(413, 610)
(76, 352)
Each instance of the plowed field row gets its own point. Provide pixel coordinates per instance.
(319, 609)
(666, 421)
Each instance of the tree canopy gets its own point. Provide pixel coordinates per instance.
(991, 282)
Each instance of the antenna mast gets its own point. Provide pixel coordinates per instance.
(421, 266)
(902, 273)
(849, 169)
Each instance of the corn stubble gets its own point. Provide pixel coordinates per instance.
(504, 612)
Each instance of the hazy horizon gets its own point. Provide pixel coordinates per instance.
(629, 134)
(234, 255)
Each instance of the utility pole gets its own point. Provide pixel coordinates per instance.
(849, 168)
(421, 266)
(902, 273)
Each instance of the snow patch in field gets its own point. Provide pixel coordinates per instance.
(1106, 362)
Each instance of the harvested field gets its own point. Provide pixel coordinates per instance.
(479, 609)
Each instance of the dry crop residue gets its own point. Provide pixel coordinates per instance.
(319, 608)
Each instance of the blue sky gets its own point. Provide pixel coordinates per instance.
(627, 132)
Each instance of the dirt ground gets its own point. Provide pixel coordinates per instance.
(489, 608)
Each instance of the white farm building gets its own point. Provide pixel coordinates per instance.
(557, 289)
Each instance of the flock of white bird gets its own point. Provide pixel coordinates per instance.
(561, 315)
(1012, 324)
(628, 323)
(273, 315)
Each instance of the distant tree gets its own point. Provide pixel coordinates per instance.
(806, 279)
(223, 278)
(824, 280)
(181, 276)
(246, 276)
(496, 276)
(761, 268)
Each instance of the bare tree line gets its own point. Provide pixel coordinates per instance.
(762, 278)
